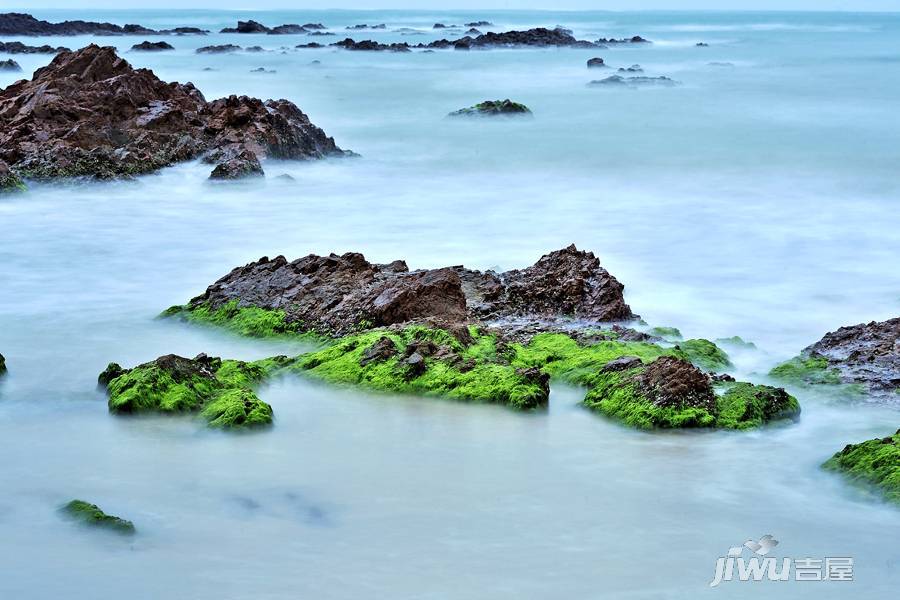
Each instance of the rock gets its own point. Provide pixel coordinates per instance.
(619, 81)
(702, 45)
(479, 24)
(539, 36)
(254, 49)
(310, 45)
(315, 26)
(369, 45)
(287, 29)
(2, 365)
(493, 108)
(865, 355)
(623, 363)
(705, 354)
(336, 295)
(632, 40)
(247, 27)
(439, 26)
(673, 382)
(25, 24)
(631, 69)
(91, 515)
(365, 26)
(320, 33)
(217, 390)
(89, 113)
(20, 48)
(220, 49)
(152, 46)
(241, 166)
(112, 371)
(380, 351)
(473, 31)
(596, 63)
(415, 362)
(9, 181)
(874, 465)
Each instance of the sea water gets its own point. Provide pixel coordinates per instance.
(757, 198)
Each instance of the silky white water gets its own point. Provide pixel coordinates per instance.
(758, 199)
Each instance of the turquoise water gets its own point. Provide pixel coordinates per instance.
(757, 199)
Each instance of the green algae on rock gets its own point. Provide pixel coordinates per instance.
(91, 515)
(9, 181)
(430, 362)
(736, 341)
(249, 321)
(219, 390)
(745, 405)
(493, 108)
(668, 333)
(874, 464)
(806, 370)
(705, 354)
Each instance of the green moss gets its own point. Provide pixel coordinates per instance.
(250, 321)
(669, 333)
(493, 108)
(705, 354)
(806, 370)
(736, 341)
(90, 514)
(565, 359)
(472, 372)
(616, 395)
(746, 406)
(874, 464)
(177, 385)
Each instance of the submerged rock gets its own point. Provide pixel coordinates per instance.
(220, 391)
(335, 295)
(152, 46)
(246, 27)
(874, 464)
(372, 46)
(365, 26)
(220, 49)
(20, 48)
(89, 113)
(479, 24)
(619, 81)
(490, 108)
(596, 63)
(10, 66)
(244, 164)
(632, 40)
(631, 69)
(91, 515)
(865, 355)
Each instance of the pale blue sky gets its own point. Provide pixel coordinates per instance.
(849, 5)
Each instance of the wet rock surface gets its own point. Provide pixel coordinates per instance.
(245, 164)
(669, 381)
(218, 49)
(20, 48)
(152, 46)
(25, 24)
(371, 46)
(596, 63)
(619, 81)
(89, 113)
(491, 108)
(336, 295)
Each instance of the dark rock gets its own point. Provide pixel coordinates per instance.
(10, 66)
(632, 40)
(247, 27)
(20, 48)
(333, 294)
(416, 364)
(310, 45)
(320, 33)
(702, 45)
(596, 63)
(631, 69)
(369, 45)
(619, 81)
(479, 24)
(25, 24)
(439, 26)
(380, 351)
(189, 31)
(243, 165)
(220, 49)
(262, 70)
(2, 365)
(867, 354)
(623, 363)
(669, 381)
(533, 37)
(493, 108)
(9, 181)
(152, 46)
(112, 371)
(365, 26)
(89, 113)
(287, 29)
(254, 49)
(314, 26)
(473, 31)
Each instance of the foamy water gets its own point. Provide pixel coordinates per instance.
(757, 199)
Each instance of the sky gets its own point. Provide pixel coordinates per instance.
(822, 5)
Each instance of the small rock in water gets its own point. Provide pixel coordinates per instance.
(10, 66)
(243, 165)
(152, 47)
(91, 515)
(619, 81)
(493, 108)
(631, 69)
(702, 45)
(596, 63)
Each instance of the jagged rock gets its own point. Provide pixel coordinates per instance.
(336, 295)
(9, 181)
(152, 46)
(246, 27)
(89, 113)
(287, 29)
(493, 108)
(25, 24)
(243, 165)
(365, 26)
(369, 45)
(473, 31)
(314, 26)
(669, 381)
(380, 351)
(310, 45)
(632, 40)
(220, 49)
(867, 355)
(20, 48)
(10, 66)
(596, 63)
(479, 24)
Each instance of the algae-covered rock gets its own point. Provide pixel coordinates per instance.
(736, 341)
(9, 181)
(667, 333)
(705, 354)
(865, 356)
(429, 362)
(492, 108)
(874, 464)
(672, 393)
(219, 390)
(91, 515)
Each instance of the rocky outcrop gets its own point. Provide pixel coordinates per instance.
(152, 46)
(25, 24)
(632, 40)
(91, 515)
(286, 29)
(335, 295)
(372, 46)
(492, 108)
(479, 24)
(218, 49)
(596, 63)
(245, 164)
(366, 26)
(619, 81)
(539, 36)
(10, 66)
(20, 48)
(866, 355)
(89, 113)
